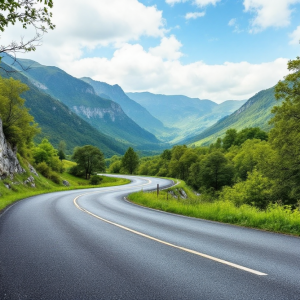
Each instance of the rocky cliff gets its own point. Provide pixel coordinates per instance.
(9, 164)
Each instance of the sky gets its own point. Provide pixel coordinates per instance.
(208, 49)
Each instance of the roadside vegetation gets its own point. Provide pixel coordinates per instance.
(249, 177)
(183, 201)
(16, 189)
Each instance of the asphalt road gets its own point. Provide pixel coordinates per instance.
(92, 244)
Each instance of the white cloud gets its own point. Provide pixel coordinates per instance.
(194, 15)
(168, 49)
(269, 13)
(91, 24)
(136, 69)
(200, 3)
(232, 22)
(295, 36)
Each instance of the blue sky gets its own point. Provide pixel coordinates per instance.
(210, 49)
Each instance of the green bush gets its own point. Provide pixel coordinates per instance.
(95, 180)
(44, 169)
(55, 177)
(76, 171)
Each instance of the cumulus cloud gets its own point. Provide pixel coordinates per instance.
(168, 49)
(136, 69)
(269, 13)
(94, 23)
(295, 36)
(194, 15)
(200, 3)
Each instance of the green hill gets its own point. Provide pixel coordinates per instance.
(103, 114)
(58, 122)
(188, 116)
(256, 112)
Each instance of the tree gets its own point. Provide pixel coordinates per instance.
(89, 159)
(35, 13)
(215, 171)
(285, 135)
(18, 125)
(256, 190)
(45, 152)
(130, 161)
(229, 138)
(61, 150)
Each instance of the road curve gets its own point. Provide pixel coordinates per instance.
(92, 244)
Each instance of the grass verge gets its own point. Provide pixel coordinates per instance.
(14, 190)
(275, 218)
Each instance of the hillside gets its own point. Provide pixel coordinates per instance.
(256, 112)
(188, 115)
(134, 110)
(103, 114)
(58, 122)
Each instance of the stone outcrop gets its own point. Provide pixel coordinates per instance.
(9, 164)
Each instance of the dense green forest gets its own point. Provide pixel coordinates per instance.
(249, 166)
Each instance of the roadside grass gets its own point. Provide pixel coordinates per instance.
(19, 190)
(275, 218)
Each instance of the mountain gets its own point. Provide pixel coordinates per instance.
(188, 115)
(134, 110)
(104, 114)
(256, 112)
(58, 122)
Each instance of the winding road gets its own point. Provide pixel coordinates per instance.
(93, 244)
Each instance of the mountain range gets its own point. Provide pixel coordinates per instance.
(188, 115)
(256, 112)
(85, 111)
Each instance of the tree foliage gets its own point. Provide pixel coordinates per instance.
(285, 135)
(130, 160)
(18, 125)
(89, 159)
(35, 13)
(46, 153)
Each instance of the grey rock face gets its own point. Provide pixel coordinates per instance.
(32, 170)
(9, 164)
(30, 181)
(65, 183)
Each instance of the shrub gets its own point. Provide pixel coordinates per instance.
(76, 171)
(44, 169)
(55, 177)
(95, 180)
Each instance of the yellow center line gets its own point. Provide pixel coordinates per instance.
(164, 242)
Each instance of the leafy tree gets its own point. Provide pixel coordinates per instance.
(61, 150)
(285, 135)
(229, 138)
(89, 159)
(61, 155)
(18, 125)
(250, 133)
(215, 171)
(34, 13)
(130, 161)
(166, 155)
(115, 167)
(256, 190)
(253, 154)
(45, 152)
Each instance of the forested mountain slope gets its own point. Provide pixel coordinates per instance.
(188, 115)
(105, 115)
(58, 122)
(256, 112)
